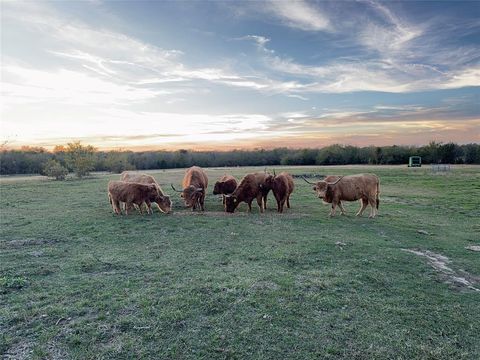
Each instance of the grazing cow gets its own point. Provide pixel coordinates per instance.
(131, 193)
(249, 188)
(226, 185)
(164, 204)
(282, 187)
(364, 187)
(194, 184)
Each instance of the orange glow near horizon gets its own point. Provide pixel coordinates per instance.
(405, 133)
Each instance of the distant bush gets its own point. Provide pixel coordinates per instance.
(116, 162)
(80, 158)
(54, 169)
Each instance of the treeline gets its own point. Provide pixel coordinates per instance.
(33, 160)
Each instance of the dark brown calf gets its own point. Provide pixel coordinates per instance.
(164, 204)
(226, 185)
(130, 194)
(248, 190)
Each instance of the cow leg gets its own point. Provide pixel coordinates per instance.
(362, 207)
(260, 202)
(373, 204)
(128, 206)
(116, 207)
(250, 206)
(265, 202)
(288, 201)
(342, 209)
(223, 199)
(334, 206)
(202, 202)
(149, 207)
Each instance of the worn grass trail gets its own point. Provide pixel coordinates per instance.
(78, 282)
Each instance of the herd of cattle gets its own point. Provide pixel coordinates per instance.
(134, 190)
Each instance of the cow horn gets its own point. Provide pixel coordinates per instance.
(200, 189)
(175, 189)
(308, 181)
(329, 183)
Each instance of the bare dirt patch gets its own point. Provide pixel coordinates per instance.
(25, 242)
(19, 351)
(460, 279)
(473, 247)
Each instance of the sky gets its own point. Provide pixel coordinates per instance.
(221, 75)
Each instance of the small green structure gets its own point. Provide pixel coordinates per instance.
(415, 161)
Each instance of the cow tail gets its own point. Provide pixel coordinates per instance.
(378, 193)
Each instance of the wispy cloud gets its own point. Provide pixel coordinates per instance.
(300, 15)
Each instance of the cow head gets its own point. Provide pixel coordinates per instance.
(231, 203)
(325, 189)
(218, 188)
(191, 195)
(268, 184)
(320, 188)
(164, 203)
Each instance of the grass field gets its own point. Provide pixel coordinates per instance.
(78, 282)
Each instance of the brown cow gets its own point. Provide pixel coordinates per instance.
(249, 188)
(282, 186)
(364, 187)
(131, 193)
(164, 205)
(194, 184)
(320, 185)
(226, 185)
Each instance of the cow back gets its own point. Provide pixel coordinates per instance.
(195, 176)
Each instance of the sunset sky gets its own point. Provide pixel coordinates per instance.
(222, 75)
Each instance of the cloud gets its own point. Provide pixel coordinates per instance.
(300, 15)
(391, 36)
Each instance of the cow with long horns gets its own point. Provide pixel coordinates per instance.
(364, 187)
(282, 186)
(194, 185)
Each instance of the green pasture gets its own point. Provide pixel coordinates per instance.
(78, 282)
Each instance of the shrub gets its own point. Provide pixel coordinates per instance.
(79, 158)
(54, 169)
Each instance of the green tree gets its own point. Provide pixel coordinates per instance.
(54, 169)
(117, 161)
(80, 158)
